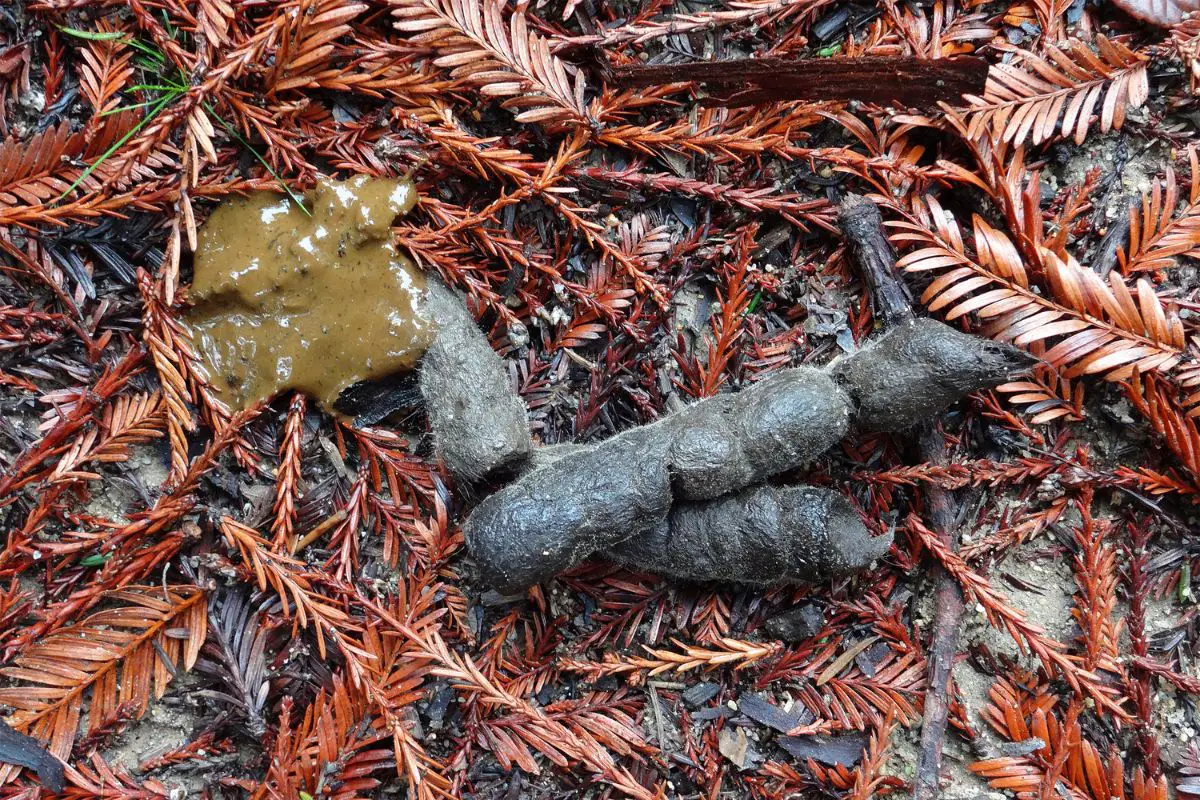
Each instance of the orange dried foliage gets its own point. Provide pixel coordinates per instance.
(572, 213)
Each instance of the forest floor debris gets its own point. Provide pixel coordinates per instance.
(572, 215)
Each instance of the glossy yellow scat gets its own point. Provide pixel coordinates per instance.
(288, 301)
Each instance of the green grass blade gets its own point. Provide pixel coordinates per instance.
(155, 87)
(94, 36)
(241, 139)
(132, 107)
(154, 112)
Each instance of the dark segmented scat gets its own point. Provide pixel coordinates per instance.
(920, 368)
(558, 515)
(731, 441)
(616, 496)
(761, 535)
(479, 424)
(587, 498)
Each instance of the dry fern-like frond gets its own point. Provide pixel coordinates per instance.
(104, 70)
(212, 19)
(1038, 97)
(1097, 328)
(726, 652)
(1185, 41)
(103, 780)
(740, 12)
(1046, 395)
(307, 44)
(286, 577)
(502, 59)
(287, 478)
(25, 468)
(41, 168)
(1188, 784)
(1158, 236)
(1155, 400)
(160, 332)
(129, 420)
(331, 750)
(548, 735)
(119, 656)
(599, 721)
(1024, 713)
(1095, 568)
(857, 701)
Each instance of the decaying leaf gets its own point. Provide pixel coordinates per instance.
(1036, 98)
(123, 655)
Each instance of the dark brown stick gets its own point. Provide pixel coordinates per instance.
(891, 302)
(887, 80)
(947, 618)
(872, 254)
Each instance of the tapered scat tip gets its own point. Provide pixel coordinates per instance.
(852, 545)
(922, 367)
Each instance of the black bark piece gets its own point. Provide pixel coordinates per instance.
(25, 751)
(369, 402)
(766, 713)
(713, 712)
(797, 624)
(700, 694)
(766, 534)
(921, 368)
(1115, 240)
(846, 750)
(479, 425)
(831, 24)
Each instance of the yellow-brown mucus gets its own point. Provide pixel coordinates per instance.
(288, 301)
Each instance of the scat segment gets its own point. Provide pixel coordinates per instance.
(478, 421)
(288, 301)
(764, 534)
(920, 368)
(589, 498)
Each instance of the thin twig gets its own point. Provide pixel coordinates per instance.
(947, 618)
(891, 302)
(325, 525)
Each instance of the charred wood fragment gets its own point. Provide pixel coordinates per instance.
(1114, 242)
(25, 751)
(872, 254)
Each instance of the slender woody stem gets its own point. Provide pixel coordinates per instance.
(891, 302)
